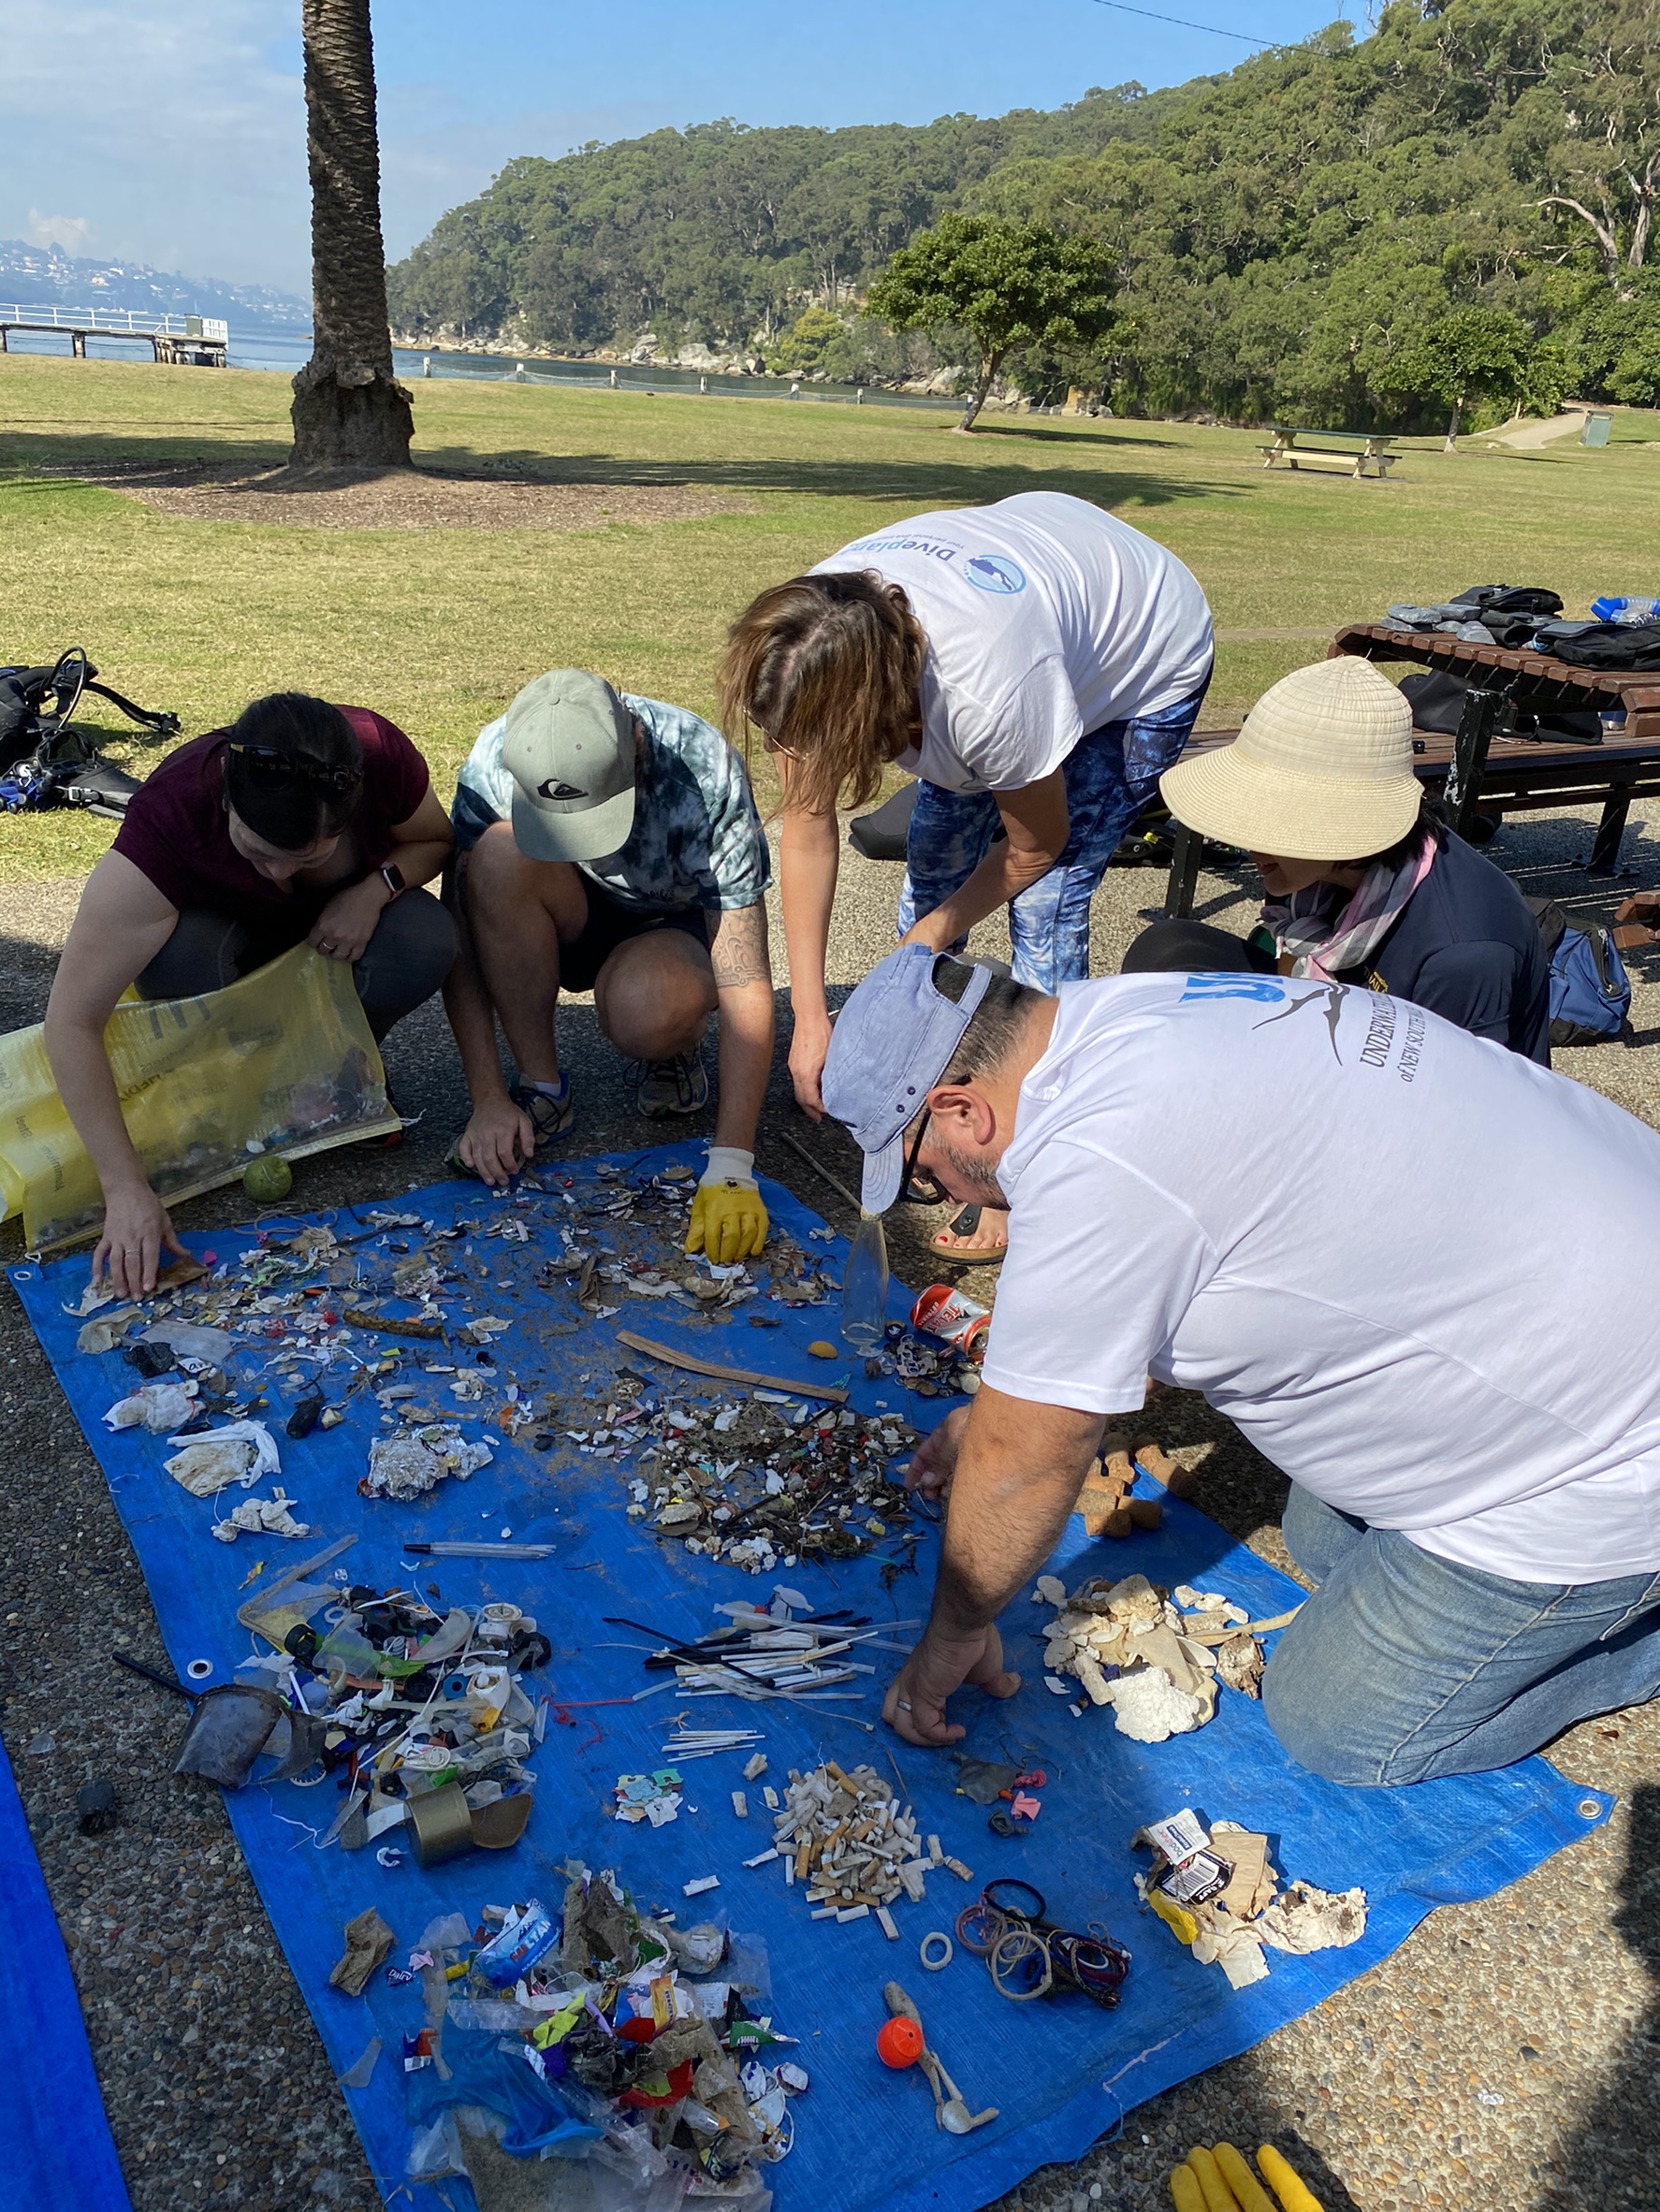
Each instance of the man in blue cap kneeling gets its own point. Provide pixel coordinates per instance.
(1280, 1193)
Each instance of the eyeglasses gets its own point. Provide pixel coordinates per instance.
(921, 1186)
(281, 771)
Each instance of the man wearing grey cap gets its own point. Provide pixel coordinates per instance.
(611, 844)
(1279, 1192)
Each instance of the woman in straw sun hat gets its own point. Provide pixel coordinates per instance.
(1364, 884)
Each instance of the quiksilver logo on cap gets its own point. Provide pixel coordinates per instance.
(551, 790)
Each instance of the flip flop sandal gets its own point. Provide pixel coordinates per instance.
(967, 1225)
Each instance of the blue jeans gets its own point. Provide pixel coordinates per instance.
(1404, 1666)
(1109, 775)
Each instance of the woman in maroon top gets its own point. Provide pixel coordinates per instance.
(302, 823)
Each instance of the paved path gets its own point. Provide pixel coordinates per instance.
(1569, 423)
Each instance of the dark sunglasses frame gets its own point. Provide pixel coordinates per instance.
(277, 769)
(930, 1191)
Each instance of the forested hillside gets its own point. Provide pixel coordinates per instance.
(719, 233)
(1283, 235)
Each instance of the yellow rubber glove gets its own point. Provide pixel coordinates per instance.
(1185, 2191)
(1252, 2196)
(1286, 2182)
(728, 1220)
(1218, 2197)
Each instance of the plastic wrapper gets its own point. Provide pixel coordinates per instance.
(191, 1340)
(229, 1727)
(448, 1932)
(435, 2151)
(543, 2121)
(281, 1061)
(361, 2071)
(157, 1407)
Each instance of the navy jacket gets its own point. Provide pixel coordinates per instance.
(1467, 947)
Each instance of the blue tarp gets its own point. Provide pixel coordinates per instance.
(1062, 2070)
(59, 2156)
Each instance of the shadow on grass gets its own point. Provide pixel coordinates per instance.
(944, 482)
(951, 480)
(1035, 433)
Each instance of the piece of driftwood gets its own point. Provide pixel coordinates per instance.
(391, 1324)
(713, 1368)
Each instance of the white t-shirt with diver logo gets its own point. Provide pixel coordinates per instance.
(1419, 1271)
(1046, 618)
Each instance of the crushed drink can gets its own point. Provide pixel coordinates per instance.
(957, 1320)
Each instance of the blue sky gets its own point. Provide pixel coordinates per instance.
(182, 142)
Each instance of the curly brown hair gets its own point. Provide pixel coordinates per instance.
(829, 669)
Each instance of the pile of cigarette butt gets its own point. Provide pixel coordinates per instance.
(843, 1837)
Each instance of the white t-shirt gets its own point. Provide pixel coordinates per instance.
(1046, 618)
(1420, 1273)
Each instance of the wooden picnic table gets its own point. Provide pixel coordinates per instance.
(1294, 448)
(1480, 771)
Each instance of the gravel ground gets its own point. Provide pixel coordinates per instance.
(1503, 2056)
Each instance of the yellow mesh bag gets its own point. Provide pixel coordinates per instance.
(281, 1061)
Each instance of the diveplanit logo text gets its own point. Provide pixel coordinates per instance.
(987, 571)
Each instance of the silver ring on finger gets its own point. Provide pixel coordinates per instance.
(904, 1705)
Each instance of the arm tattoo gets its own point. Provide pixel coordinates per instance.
(738, 951)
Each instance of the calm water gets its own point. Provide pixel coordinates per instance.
(285, 353)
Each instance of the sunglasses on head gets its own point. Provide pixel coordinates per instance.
(281, 771)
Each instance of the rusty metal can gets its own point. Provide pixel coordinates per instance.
(945, 1313)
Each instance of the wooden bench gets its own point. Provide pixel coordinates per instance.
(1297, 448)
(1477, 771)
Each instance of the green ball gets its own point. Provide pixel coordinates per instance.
(269, 1177)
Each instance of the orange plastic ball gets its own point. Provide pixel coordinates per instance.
(899, 2042)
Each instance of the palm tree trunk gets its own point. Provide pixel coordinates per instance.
(349, 409)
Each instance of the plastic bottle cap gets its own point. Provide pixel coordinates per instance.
(899, 2043)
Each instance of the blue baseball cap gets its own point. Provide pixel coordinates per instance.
(893, 1041)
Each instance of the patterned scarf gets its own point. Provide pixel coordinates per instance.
(1324, 935)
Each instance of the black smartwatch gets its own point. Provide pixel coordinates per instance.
(392, 877)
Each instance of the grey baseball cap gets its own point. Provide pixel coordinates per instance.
(569, 746)
(893, 1041)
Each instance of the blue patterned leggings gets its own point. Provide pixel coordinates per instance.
(1109, 775)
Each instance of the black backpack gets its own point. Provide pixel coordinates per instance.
(1438, 701)
(1601, 644)
(1507, 599)
(46, 763)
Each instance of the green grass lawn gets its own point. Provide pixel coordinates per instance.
(438, 628)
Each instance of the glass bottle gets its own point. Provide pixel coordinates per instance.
(865, 1286)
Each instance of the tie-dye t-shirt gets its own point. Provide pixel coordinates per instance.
(697, 840)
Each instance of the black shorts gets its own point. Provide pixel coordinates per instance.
(611, 923)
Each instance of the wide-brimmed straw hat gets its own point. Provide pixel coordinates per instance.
(1323, 769)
